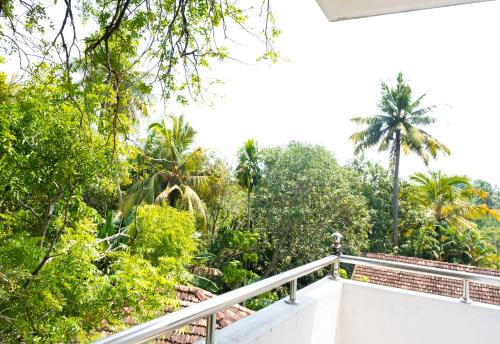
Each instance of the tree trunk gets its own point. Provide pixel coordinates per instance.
(44, 225)
(276, 253)
(395, 192)
(248, 211)
(52, 246)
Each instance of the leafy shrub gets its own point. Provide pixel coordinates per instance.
(262, 300)
(162, 231)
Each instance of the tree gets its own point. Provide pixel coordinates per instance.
(452, 234)
(376, 186)
(396, 128)
(304, 196)
(52, 287)
(248, 172)
(225, 201)
(176, 169)
(163, 232)
(173, 40)
(452, 200)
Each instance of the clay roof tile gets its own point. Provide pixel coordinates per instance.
(426, 283)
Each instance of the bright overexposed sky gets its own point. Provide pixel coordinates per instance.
(334, 73)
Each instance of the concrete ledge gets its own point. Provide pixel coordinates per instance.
(351, 312)
(312, 320)
(378, 314)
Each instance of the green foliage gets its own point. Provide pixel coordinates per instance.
(304, 196)
(235, 252)
(450, 233)
(223, 198)
(234, 274)
(141, 287)
(58, 282)
(343, 273)
(176, 170)
(363, 279)
(204, 283)
(70, 297)
(452, 200)
(162, 231)
(398, 125)
(133, 44)
(376, 186)
(74, 268)
(248, 172)
(263, 300)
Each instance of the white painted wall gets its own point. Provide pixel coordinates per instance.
(376, 314)
(350, 312)
(312, 320)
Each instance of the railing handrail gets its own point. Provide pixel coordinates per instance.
(162, 325)
(429, 270)
(157, 327)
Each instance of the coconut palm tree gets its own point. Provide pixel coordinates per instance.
(452, 201)
(176, 169)
(248, 172)
(398, 127)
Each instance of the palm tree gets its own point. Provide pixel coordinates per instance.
(398, 127)
(177, 169)
(454, 205)
(248, 172)
(452, 201)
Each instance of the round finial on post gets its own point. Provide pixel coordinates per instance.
(337, 238)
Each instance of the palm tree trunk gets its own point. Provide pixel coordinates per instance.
(395, 192)
(248, 211)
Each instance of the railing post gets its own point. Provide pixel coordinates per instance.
(466, 292)
(293, 293)
(337, 237)
(334, 274)
(210, 338)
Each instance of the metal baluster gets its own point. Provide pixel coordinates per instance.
(210, 339)
(466, 292)
(337, 237)
(293, 293)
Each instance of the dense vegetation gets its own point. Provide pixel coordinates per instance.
(98, 224)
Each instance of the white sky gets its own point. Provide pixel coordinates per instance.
(334, 74)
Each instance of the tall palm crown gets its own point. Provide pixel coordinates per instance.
(176, 168)
(398, 126)
(450, 200)
(248, 171)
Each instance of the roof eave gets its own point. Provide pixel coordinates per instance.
(338, 10)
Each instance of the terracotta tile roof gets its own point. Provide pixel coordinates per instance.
(425, 283)
(196, 330)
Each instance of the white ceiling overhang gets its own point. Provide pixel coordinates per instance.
(349, 9)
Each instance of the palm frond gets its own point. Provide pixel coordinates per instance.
(142, 191)
(165, 194)
(196, 181)
(191, 201)
(400, 114)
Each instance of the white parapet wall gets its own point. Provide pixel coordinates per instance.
(349, 312)
(312, 320)
(377, 314)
